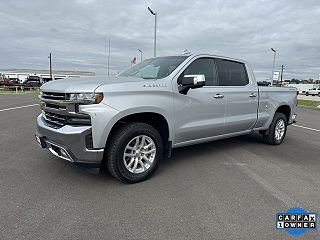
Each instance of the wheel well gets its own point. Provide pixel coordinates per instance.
(154, 119)
(286, 110)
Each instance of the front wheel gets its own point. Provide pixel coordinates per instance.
(307, 94)
(277, 130)
(134, 152)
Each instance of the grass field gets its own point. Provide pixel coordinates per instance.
(308, 103)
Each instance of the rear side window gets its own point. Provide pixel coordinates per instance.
(231, 73)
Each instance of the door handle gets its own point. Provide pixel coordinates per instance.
(218, 95)
(252, 95)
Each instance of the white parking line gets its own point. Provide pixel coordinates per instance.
(312, 129)
(13, 108)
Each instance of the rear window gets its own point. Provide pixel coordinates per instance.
(231, 73)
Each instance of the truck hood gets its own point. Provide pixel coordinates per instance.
(84, 84)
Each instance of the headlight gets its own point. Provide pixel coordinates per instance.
(85, 97)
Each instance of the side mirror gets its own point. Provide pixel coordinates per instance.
(190, 82)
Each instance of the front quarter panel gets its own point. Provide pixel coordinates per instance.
(101, 115)
(124, 99)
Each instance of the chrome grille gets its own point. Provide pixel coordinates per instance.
(55, 106)
(54, 96)
(58, 112)
(54, 118)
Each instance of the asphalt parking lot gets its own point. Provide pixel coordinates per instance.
(229, 189)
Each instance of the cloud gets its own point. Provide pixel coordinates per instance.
(77, 32)
(85, 1)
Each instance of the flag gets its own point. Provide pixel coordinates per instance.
(134, 60)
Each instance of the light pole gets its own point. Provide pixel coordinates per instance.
(274, 60)
(281, 74)
(155, 32)
(109, 57)
(50, 66)
(140, 54)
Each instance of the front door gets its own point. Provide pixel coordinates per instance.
(200, 114)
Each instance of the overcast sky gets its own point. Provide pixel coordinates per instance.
(77, 32)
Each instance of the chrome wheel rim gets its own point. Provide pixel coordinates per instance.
(280, 129)
(139, 154)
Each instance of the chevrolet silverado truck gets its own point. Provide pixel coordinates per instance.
(129, 122)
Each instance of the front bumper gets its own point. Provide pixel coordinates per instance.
(69, 143)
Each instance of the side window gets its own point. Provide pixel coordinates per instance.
(205, 66)
(231, 73)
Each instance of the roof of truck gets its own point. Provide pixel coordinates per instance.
(191, 54)
(217, 56)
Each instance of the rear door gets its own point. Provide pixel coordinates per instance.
(241, 95)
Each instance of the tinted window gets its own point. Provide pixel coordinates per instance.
(231, 73)
(203, 66)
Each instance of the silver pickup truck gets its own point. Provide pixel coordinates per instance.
(129, 122)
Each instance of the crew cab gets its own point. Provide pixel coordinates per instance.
(129, 122)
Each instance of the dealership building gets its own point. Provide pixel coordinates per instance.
(23, 74)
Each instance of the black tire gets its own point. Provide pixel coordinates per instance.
(307, 94)
(319, 94)
(116, 147)
(270, 137)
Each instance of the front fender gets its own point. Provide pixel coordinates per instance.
(104, 117)
(135, 110)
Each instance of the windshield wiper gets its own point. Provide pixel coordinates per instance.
(149, 78)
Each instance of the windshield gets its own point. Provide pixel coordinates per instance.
(154, 68)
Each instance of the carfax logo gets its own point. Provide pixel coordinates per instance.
(296, 221)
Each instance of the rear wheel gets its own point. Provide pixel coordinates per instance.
(307, 94)
(277, 130)
(319, 94)
(134, 152)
